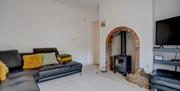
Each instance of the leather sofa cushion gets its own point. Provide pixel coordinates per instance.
(54, 66)
(12, 59)
(55, 69)
(19, 83)
(46, 50)
(33, 73)
(52, 72)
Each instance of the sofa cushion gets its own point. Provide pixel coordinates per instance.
(3, 71)
(55, 66)
(46, 50)
(33, 73)
(12, 59)
(49, 58)
(65, 58)
(32, 61)
(56, 69)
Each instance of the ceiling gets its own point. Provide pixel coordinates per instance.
(83, 4)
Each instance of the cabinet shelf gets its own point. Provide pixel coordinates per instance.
(167, 49)
(167, 62)
(175, 63)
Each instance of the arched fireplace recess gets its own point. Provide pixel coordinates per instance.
(137, 76)
(109, 41)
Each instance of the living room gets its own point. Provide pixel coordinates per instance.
(84, 29)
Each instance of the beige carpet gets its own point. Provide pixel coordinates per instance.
(110, 75)
(90, 80)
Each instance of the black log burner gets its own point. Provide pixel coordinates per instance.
(122, 62)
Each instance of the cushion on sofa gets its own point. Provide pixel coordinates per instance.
(3, 71)
(65, 58)
(32, 61)
(12, 59)
(49, 58)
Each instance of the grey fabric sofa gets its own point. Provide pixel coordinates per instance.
(26, 80)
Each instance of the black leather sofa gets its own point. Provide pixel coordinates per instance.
(26, 80)
(165, 80)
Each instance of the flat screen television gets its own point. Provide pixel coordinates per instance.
(168, 31)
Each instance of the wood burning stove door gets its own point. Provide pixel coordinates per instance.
(122, 64)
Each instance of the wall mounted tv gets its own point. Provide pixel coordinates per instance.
(168, 31)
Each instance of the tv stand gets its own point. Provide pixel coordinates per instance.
(161, 46)
(171, 62)
(176, 64)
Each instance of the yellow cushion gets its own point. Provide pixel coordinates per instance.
(3, 71)
(66, 59)
(32, 61)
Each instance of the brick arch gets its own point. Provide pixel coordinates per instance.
(109, 45)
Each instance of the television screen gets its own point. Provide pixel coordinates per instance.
(168, 31)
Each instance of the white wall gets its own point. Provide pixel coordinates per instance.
(166, 8)
(96, 27)
(136, 14)
(0, 23)
(28, 24)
